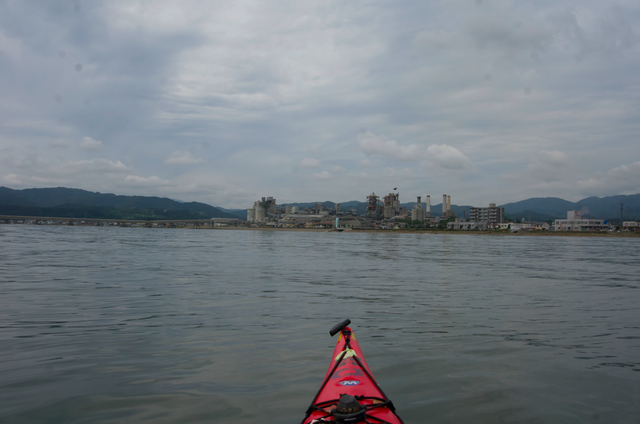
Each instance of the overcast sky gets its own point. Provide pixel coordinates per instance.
(224, 102)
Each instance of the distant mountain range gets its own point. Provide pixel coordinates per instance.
(63, 202)
(76, 203)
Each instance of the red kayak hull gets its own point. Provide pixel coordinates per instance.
(349, 373)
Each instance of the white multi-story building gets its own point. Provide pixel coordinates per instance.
(575, 222)
(492, 214)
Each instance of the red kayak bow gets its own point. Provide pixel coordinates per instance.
(349, 393)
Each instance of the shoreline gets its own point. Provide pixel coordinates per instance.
(544, 233)
(634, 234)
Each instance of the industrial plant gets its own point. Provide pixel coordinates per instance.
(385, 213)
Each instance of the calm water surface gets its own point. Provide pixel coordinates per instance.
(124, 325)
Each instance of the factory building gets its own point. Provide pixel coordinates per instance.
(492, 214)
(262, 210)
(373, 205)
(391, 205)
(417, 213)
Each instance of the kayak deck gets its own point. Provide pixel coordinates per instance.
(349, 374)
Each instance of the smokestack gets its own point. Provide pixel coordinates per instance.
(444, 205)
(448, 203)
(428, 205)
(420, 202)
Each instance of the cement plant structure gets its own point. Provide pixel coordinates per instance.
(262, 209)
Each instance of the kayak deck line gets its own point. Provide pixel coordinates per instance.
(349, 393)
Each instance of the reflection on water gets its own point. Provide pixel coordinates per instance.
(166, 326)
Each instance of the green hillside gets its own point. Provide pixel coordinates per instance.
(76, 203)
(599, 207)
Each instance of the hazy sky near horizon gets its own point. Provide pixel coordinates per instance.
(225, 102)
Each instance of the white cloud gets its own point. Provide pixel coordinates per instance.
(138, 181)
(182, 158)
(365, 163)
(98, 165)
(624, 179)
(11, 180)
(448, 157)
(440, 155)
(309, 163)
(324, 175)
(337, 169)
(372, 144)
(89, 143)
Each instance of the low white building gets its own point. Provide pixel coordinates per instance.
(575, 222)
(461, 224)
(350, 223)
(224, 222)
(631, 225)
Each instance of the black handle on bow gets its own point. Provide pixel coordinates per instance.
(338, 328)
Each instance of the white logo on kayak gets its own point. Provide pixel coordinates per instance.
(349, 383)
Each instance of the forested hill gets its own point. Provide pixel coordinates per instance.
(77, 203)
(598, 207)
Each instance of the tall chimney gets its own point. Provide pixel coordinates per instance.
(420, 202)
(448, 203)
(428, 205)
(444, 205)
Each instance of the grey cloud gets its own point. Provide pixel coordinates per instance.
(550, 166)
(261, 81)
(500, 32)
(609, 32)
(59, 143)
